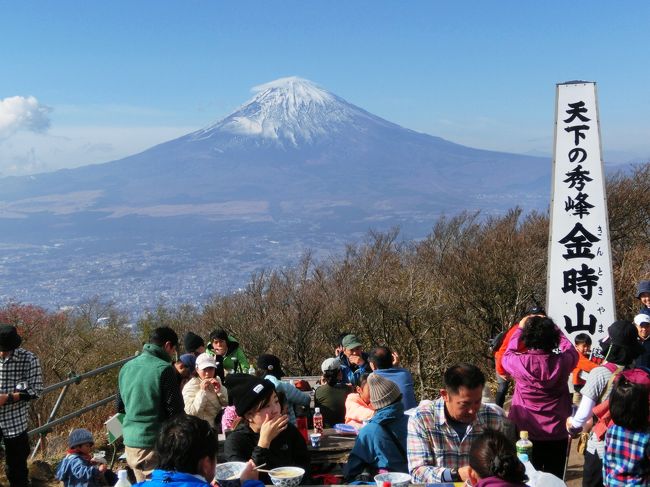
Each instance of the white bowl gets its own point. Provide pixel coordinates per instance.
(290, 476)
(225, 471)
(396, 479)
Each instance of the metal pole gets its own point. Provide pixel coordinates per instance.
(56, 407)
(78, 378)
(48, 427)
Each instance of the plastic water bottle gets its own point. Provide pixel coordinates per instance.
(122, 479)
(524, 445)
(251, 370)
(318, 421)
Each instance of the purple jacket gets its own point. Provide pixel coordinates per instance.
(541, 402)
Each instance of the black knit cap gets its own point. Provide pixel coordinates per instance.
(270, 364)
(248, 392)
(192, 341)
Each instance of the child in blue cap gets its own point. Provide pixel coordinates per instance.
(78, 469)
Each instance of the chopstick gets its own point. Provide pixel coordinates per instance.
(343, 437)
(258, 468)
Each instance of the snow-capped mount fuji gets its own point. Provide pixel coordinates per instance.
(290, 112)
(295, 167)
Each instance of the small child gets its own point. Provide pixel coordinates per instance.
(627, 441)
(77, 469)
(585, 364)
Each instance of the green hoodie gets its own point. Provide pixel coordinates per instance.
(234, 356)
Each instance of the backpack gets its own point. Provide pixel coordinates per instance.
(601, 411)
(494, 344)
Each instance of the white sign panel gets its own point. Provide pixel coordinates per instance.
(580, 289)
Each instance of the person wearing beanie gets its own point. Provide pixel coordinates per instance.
(228, 352)
(620, 348)
(269, 367)
(21, 380)
(78, 469)
(381, 444)
(204, 395)
(193, 344)
(263, 434)
(643, 295)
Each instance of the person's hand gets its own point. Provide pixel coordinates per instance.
(338, 350)
(573, 431)
(249, 472)
(525, 319)
(464, 473)
(395, 359)
(206, 385)
(356, 359)
(216, 384)
(271, 428)
(102, 468)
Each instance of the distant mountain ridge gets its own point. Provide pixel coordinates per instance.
(296, 164)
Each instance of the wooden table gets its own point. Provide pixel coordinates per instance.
(334, 447)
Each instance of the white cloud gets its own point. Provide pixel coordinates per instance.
(22, 113)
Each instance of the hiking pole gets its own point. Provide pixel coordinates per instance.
(574, 409)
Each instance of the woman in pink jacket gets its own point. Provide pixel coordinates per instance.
(357, 405)
(541, 402)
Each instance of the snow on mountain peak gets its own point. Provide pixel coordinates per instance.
(289, 111)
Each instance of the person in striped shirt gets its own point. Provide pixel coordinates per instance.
(441, 433)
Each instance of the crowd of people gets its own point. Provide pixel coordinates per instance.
(175, 409)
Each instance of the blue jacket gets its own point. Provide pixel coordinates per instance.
(404, 381)
(375, 448)
(165, 478)
(351, 372)
(76, 471)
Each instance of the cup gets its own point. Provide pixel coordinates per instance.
(315, 439)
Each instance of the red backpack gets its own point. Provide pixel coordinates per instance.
(601, 411)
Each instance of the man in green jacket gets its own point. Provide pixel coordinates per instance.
(149, 394)
(228, 352)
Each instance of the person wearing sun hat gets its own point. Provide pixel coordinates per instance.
(381, 444)
(263, 434)
(21, 380)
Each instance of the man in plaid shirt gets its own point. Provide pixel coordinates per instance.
(21, 380)
(441, 433)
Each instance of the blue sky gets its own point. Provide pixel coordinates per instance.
(113, 78)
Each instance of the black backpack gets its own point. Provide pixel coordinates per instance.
(495, 343)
